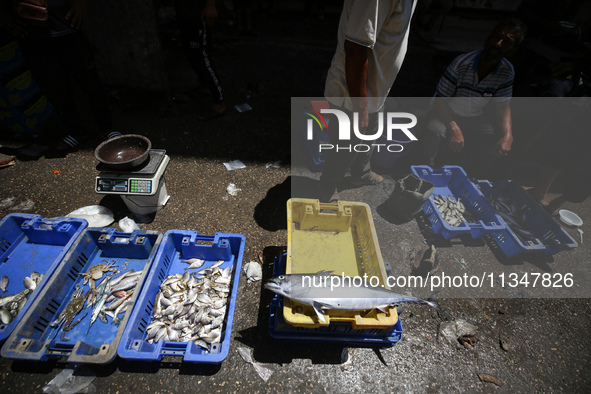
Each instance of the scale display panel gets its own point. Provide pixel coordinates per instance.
(134, 186)
(143, 182)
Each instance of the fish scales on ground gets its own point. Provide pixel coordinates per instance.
(191, 306)
(317, 291)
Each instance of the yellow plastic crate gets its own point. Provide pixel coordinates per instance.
(334, 237)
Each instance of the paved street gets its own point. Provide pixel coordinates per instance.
(526, 344)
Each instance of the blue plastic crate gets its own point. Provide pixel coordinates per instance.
(35, 339)
(30, 243)
(452, 181)
(551, 238)
(181, 245)
(339, 332)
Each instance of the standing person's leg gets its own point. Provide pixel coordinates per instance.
(361, 173)
(196, 41)
(339, 161)
(46, 60)
(83, 70)
(336, 165)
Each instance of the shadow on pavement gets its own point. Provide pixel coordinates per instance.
(257, 337)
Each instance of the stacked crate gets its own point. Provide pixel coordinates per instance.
(338, 238)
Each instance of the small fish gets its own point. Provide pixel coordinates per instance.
(194, 263)
(452, 211)
(4, 284)
(346, 296)
(122, 308)
(102, 294)
(36, 276)
(29, 283)
(126, 284)
(5, 316)
(217, 263)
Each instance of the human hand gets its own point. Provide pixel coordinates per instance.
(209, 14)
(503, 146)
(456, 139)
(77, 13)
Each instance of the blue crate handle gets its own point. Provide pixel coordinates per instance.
(61, 229)
(219, 249)
(114, 242)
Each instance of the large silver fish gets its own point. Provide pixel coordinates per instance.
(322, 292)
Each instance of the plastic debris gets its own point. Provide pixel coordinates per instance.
(346, 358)
(72, 380)
(243, 107)
(7, 162)
(263, 371)
(7, 202)
(274, 164)
(253, 271)
(461, 262)
(234, 165)
(24, 206)
(233, 190)
(127, 225)
(95, 215)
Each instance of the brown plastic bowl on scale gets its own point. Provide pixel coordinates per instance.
(124, 152)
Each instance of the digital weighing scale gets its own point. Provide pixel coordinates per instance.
(142, 189)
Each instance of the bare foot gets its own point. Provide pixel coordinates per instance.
(553, 205)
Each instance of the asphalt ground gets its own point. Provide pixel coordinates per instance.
(527, 345)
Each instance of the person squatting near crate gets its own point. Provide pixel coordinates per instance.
(372, 43)
(560, 153)
(58, 54)
(459, 118)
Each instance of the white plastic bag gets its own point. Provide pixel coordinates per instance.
(96, 215)
(72, 380)
(234, 165)
(263, 371)
(127, 225)
(233, 190)
(253, 271)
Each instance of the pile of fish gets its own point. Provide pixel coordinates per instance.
(452, 211)
(11, 305)
(191, 306)
(513, 216)
(112, 297)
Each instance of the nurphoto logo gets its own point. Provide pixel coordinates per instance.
(402, 121)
